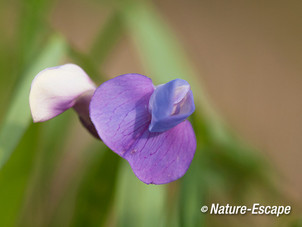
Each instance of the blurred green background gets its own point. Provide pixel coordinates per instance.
(243, 60)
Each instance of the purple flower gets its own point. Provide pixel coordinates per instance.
(142, 123)
(146, 125)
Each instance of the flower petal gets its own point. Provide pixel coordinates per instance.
(57, 89)
(159, 158)
(170, 104)
(119, 110)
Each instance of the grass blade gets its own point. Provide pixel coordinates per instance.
(138, 204)
(18, 117)
(14, 178)
(108, 36)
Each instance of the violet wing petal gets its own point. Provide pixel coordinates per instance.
(119, 111)
(170, 104)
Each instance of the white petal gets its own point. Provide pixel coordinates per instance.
(57, 89)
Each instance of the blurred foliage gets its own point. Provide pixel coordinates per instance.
(48, 182)
(14, 177)
(97, 190)
(18, 115)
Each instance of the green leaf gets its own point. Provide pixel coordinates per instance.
(14, 178)
(138, 204)
(32, 27)
(97, 189)
(18, 116)
(192, 193)
(51, 141)
(108, 36)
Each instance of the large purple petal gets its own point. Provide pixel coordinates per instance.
(160, 158)
(119, 111)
